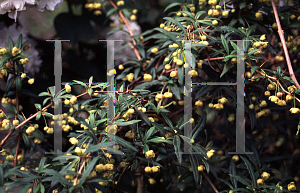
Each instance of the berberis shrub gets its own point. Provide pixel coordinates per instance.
(143, 144)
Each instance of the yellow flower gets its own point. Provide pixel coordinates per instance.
(154, 50)
(218, 106)
(148, 169)
(122, 164)
(73, 100)
(69, 177)
(271, 87)
(36, 140)
(281, 103)
(235, 158)
(260, 182)
(16, 122)
(193, 73)
(155, 169)
(73, 141)
(99, 167)
(15, 51)
(151, 181)
(10, 158)
(173, 74)
(3, 51)
(201, 168)
(291, 186)
(130, 77)
(274, 99)
(20, 158)
(147, 77)
(265, 175)
(210, 153)
(149, 154)
(31, 81)
(294, 110)
(68, 88)
(109, 166)
(23, 75)
(199, 103)
(223, 100)
(263, 103)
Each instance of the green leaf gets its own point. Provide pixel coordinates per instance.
(240, 179)
(232, 170)
(38, 116)
(175, 91)
(167, 120)
(10, 43)
(149, 133)
(9, 84)
(145, 148)
(177, 23)
(176, 143)
(143, 116)
(253, 69)
(159, 140)
(195, 168)
(88, 169)
(126, 123)
(168, 34)
(250, 170)
(1, 176)
(19, 42)
(38, 106)
(172, 5)
(4, 59)
(37, 188)
(18, 84)
(225, 44)
(122, 142)
(10, 108)
(26, 140)
(226, 67)
(44, 94)
(199, 126)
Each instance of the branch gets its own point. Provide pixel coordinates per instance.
(210, 183)
(286, 53)
(21, 124)
(129, 30)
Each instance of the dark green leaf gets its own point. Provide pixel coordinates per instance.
(178, 152)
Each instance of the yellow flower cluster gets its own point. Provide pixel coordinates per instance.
(210, 153)
(291, 186)
(147, 77)
(68, 88)
(193, 73)
(73, 141)
(15, 51)
(129, 134)
(153, 169)
(201, 168)
(265, 175)
(24, 61)
(129, 77)
(149, 154)
(48, 130)
(3, 51)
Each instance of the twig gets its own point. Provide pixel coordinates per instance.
(129, 30)
(286, 53)
(17, 149)
(209, 181)
(80, 170)
(176, 112)
(21, 124)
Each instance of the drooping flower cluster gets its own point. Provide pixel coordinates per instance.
(33, 61)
